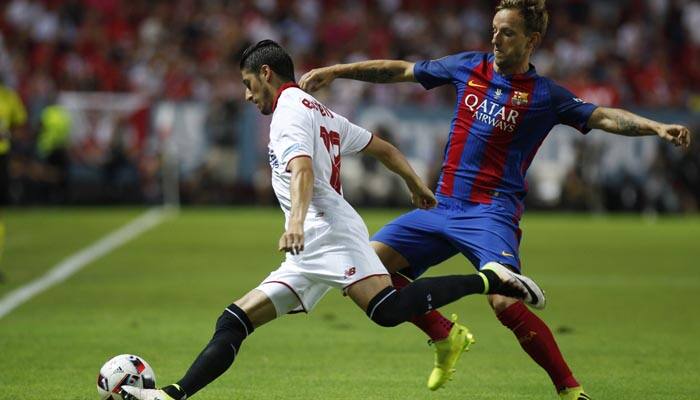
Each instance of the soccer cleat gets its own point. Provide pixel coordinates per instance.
(574, 393)
(136, 393)
(447, 352)
(527, 289)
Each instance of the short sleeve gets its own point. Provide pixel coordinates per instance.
(354, 139)
(570, 109)
(291, 133)
(434, 73)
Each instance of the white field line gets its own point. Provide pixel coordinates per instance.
(77, 261)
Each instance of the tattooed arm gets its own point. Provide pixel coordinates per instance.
(376, 71)
(625, 123)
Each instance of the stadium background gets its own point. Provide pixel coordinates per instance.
(172, 67)
(150, 111)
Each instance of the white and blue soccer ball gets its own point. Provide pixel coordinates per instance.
(124, 369)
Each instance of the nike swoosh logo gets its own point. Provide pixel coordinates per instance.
(504, 254)
(533, 295)
(474, 84)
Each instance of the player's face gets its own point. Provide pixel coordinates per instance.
(512, 45)
(258, 90)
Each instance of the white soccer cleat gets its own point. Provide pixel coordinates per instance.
(534, 295)
(136, 393)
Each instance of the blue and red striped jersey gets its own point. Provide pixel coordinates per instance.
(499, 123)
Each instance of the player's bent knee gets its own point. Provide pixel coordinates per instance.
(385, 309)
(499, 303)
(386, 319)
(234, 321)
(258, 306)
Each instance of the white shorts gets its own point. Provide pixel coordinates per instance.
(335, 256)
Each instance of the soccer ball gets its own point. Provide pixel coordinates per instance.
(124, 369)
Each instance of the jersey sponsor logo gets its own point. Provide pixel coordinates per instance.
(492, 113)
(272, 158)
(520, 98)
(506, 254)
(475, 84)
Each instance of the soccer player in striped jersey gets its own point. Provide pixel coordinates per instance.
(503, 112)
(325, 240)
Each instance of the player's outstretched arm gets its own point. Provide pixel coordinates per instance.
(623, 122)
(376, 71)
(392, 158)
(301, 188)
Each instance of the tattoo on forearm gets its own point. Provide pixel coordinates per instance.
(375, 75)
(627, 126)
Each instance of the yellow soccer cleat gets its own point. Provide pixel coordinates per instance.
(447, 352)
(574, 393)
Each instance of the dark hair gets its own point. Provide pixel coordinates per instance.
(268, 52)
(534, 13)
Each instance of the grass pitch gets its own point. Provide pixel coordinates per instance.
(623, 303)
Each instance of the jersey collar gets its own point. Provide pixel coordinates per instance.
(279, 92)
(530, 73)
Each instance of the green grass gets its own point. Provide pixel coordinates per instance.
(623, 302)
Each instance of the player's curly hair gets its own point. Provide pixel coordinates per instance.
(268, 52)
(533, 11)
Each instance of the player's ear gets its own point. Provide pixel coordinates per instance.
(266, 73)
(535, 40)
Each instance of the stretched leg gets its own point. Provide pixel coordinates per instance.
(236, 323)
(536, 339)
(390, 307)
(433, 323)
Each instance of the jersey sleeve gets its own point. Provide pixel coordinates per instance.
(291, 130)
(434, 73)
(354, 138)
(570, 109)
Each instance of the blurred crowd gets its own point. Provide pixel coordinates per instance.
(629, 53)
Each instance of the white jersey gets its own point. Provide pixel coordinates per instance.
(336, 242)
(303, 127)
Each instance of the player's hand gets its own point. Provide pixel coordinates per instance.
(422, 197)
(679, 135)
(293, 239)
(316, 79)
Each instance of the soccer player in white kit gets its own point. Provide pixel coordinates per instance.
(326, 241)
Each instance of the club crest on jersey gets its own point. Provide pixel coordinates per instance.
(520, 98)
(350, 271)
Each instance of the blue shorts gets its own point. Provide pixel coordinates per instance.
(481, 232)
